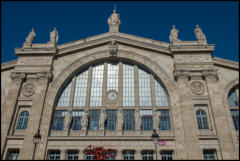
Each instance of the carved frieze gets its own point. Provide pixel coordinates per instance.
(29, 89)
(197, 87)
(18, 76)
(210, 72)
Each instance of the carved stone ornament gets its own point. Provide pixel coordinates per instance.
(113, 48)
(209, 72)
(181, 74)
(17, 75)
(29, 89)
(44, 75)
(197, 88)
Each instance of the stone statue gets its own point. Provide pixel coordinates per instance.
(199, 34)
(31, 36)
(120, 120)
(138, 120)
(173, 34)
(114, 19)
(54, 36)
(102, 120)
(84, 121)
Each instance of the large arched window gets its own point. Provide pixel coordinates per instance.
(113, 80)
(202, 119)
(22, 120)
(233, 97)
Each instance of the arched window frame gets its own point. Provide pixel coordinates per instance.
(22, 120)
(202, 119)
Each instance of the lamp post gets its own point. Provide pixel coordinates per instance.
(155, 137)
(36, 140)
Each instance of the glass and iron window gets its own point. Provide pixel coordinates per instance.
(161, 96)
(147, 120)
(209, 154)
(112, 76)
(147, 155)
(93, 119)
(167, 155)
(58, 121)
(128, 85)
(96, 85)
(233, 98)
(145, 94)
(65, 96)
(54, 155)
(129, 120)
(202, 119)
(22, 120)
(164, 119)
(80, 91)
(111, 121)
(76, 120)
(13, 154)
(89, 157)
(235, 118)
(72, 155)
(128, 155)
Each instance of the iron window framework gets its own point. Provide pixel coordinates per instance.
(167, 155)
(164, 119)
(111, 120)
(93, 119)
(209, 154)
(202, 119)
(235, 118)
(128, 155)
(129, 120)
(76, 120)
(233, 99)
(147, 155)
(72, 155)
(22, 120)
(54, 155)
(58, 121)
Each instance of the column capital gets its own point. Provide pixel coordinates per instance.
(44, 75)
(181, 74)
(210, 73)
(18, 76)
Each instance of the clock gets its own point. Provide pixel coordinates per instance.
(112, 95)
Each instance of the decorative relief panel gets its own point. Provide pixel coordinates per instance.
(36, 60)
(29, 89)
(197, 88)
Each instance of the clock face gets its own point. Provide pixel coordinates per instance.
(112, 95)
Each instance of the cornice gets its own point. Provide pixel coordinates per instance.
(226, 63)
(8, 65)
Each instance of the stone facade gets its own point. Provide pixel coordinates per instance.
(192, 77)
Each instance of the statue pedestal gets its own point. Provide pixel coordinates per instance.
(27, 45)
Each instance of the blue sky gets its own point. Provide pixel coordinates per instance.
(154, 20)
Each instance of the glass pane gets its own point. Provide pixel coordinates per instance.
(80, 89)
(128, 85)
(112, 76)
(65, 96)
(96, 86)
(202, 119)
(232, 98)
(129, 120)
(58, 122)
(93, 119)
(161, 96)
(164, 119)
(111, 120)
(23, 120)
(235, 118)
(145, 94)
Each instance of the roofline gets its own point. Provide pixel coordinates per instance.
(226, 63)
(8, 65)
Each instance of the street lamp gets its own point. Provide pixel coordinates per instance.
(36, 140)
(155, 137)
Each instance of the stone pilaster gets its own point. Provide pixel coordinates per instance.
(192, 146)
(35, 116)
(138, 154)
(9, 108)
(223, 130)
(63, 154)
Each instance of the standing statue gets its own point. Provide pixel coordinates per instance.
(173, 35)
(102, 119)
(114, 19)
(30, 36)
(54, 36)
(84, 121)
(199, 34)
(138, 120)
(120, 120)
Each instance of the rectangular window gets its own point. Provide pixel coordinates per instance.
(128, 85)
(80, 90)
(128, 155)
(54, 155)
(13, 154)
(111, 120)
(235, 118)
(72, 155)
(164, 119)
(129, 120)
(161, 97)
(147, 155)
(167, 155)
(145, 92)
(89, 157)
(96, 85)
(76, 120)
(112, 76)
(58, 121)
(147, 120)
(112, 156)
(209, 154)
(93, 119)
(65, 97)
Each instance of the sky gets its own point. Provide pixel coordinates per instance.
(150, 19)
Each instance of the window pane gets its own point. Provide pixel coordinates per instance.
(58, 122)
(54, 155)
(128, 85)
(111, 120)
(167, 155)
(80, 89)
(13, 154)
(65, 96)
(72, 155)
(145, 94)
(76, 120)
(161, 96)
(112, 77)
(164, 119)
(147, 121)
(209, 154)
(235, 118)
(147, 155)
(23, 120)
(129, 120)
(93, 119)
(89, 156)
(128, 155)
(96, 86)
(232, 98)
(202, 119)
